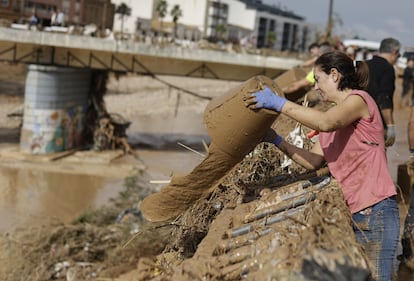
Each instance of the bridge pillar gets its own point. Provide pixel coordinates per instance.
(55, 104)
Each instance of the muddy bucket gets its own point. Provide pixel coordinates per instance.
(234, 128)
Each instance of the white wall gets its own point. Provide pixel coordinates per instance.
(239, 15)
(194, 12)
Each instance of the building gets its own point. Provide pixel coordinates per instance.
(99, 12)
(226, 20)
(77, 12)
(279, 29)
(144, 19)
(238, 21)
(8, 9)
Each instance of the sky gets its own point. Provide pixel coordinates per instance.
(368, 19)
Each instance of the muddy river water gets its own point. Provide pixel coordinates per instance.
(31, 196)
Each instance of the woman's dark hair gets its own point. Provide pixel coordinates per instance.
(354, 74)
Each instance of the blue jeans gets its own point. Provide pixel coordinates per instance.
(408, 229)
(410, 215)
(378, 229)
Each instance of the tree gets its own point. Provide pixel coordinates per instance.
(123, 10)
(271, 39)
(176, 14)
(221, 29)
(161, 9)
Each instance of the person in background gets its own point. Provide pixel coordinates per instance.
(350, 51)
(60, 19)
(381, 84)
(411, 139)
(313, 50)
(351, 142)
(53, 17)
(407, 240)
(408, 82)
(33, 20)
(308, 81)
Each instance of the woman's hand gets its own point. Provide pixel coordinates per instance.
(265, 98)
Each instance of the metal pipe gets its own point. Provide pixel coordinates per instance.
(271, 220)
(321, 182)
(293, 203)
(237, 243)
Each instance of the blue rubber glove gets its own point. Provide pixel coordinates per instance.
(272, 137)
(277, 141)
(266, 98)
(390, 138)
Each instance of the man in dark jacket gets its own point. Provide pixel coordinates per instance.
(382, 83)
(408, 81)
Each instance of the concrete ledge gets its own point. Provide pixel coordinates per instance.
(111, 163)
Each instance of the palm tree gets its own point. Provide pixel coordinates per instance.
(123, 10)
(271, 39)
(176, 13)
(161, 9)
(221, 29)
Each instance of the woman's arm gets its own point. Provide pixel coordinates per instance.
(311, 160)
(339, 116)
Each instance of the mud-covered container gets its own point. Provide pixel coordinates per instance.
(234, 128)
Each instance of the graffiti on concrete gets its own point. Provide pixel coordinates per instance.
(53, 130)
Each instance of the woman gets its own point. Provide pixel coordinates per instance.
(351, 142)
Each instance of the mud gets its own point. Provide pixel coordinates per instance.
(269, 249)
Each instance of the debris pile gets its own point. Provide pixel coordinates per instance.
(296, 231)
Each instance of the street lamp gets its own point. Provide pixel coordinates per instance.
(329, 25)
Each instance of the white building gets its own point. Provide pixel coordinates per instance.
(279, 29)
(234, 20)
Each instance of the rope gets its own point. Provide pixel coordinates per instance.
(179, 88)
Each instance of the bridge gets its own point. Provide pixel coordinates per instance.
(61, 77)
(50, 48)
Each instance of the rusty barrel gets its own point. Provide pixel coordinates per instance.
(234, 128)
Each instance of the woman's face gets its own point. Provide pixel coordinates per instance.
(325, 84)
